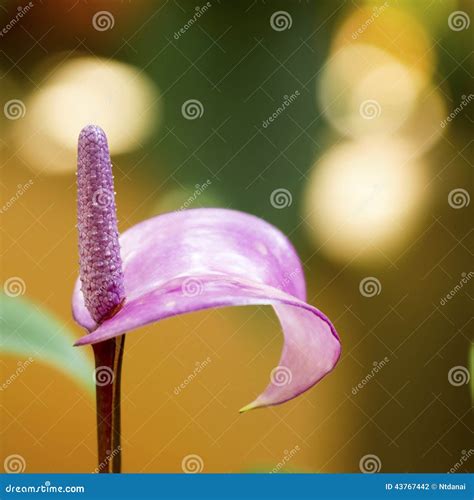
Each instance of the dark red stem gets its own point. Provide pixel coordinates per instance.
(108, 363)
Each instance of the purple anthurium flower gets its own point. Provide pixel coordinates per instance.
(187, 261)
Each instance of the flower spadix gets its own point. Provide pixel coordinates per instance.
(101, 272)
(191, 260)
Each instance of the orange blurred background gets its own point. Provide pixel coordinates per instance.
(373, 156)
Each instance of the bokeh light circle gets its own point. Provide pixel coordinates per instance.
(363, 90)
(363, 199)
(84, 90)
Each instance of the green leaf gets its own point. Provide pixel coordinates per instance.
(27, 330)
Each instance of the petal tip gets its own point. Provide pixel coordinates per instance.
(82, 341)
(251, 406)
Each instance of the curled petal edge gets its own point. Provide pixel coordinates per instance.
(198, 259)
(311, 344)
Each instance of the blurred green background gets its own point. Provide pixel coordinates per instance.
(348, 125)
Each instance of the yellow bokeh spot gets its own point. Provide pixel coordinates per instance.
(364, 90)
(363, 198)
(114, 95)
(391, 29)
